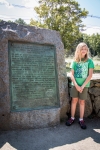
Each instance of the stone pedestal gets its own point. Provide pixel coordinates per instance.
(33, 82)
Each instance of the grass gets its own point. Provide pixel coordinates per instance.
(97, 69)
(96, 62)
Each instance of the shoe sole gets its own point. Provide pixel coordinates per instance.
(69, 124)
(82, 127)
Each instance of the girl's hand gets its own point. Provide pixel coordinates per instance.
(82, 87)
(79, 88)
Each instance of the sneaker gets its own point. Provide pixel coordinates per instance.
(70, 122)
(82, 124)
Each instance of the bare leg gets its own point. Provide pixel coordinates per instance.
(73, 106)
(82, 108)
(73, 109)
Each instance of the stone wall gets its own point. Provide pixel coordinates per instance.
(33, 118)
(92, 107)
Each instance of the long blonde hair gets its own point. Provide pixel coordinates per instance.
(77, 56)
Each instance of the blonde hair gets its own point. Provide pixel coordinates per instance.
(77, 56)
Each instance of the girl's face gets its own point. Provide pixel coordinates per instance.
(83, 51)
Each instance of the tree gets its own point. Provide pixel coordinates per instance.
(20, 21)
(10, 21)
(63, 16)
(1, 20)
(93, 43)
(6, 21)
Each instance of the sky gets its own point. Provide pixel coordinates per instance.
(12, 10)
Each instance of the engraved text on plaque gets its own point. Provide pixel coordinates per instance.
(33, 76)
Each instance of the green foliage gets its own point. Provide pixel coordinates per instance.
(1, 20)
(10, 21)
(7, 21)
(93, 43)
(20, 21)
(63, 16)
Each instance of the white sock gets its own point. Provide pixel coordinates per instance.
(72, 118)
(80, 119)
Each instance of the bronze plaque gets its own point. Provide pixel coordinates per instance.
(33, 76)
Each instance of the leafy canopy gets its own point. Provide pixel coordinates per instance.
(20, 21)
(63, 16)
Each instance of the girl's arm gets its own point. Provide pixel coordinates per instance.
(73, 80)
(88, 78)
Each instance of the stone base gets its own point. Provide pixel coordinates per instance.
(30, 119)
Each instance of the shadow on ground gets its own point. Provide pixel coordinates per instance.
(60, 137)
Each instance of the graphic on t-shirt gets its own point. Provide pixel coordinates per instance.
(81, 70)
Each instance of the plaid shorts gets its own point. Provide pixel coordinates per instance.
(75, 94)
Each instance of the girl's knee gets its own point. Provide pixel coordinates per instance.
(81, 102)
(74, 100)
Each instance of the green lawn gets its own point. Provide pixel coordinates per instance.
(97, 69)
(96, 62)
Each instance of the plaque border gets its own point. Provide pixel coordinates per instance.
(56, 74)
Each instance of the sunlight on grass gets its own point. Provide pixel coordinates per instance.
(96, 63)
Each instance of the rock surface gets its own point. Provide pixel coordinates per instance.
(34, 118)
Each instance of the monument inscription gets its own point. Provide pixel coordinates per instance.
(33, 76)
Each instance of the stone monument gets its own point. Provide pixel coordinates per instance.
(33, 82)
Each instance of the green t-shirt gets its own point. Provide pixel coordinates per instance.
(81, 70)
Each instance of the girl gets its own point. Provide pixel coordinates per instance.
(81, 73)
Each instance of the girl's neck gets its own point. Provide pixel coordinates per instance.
(82, 59)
